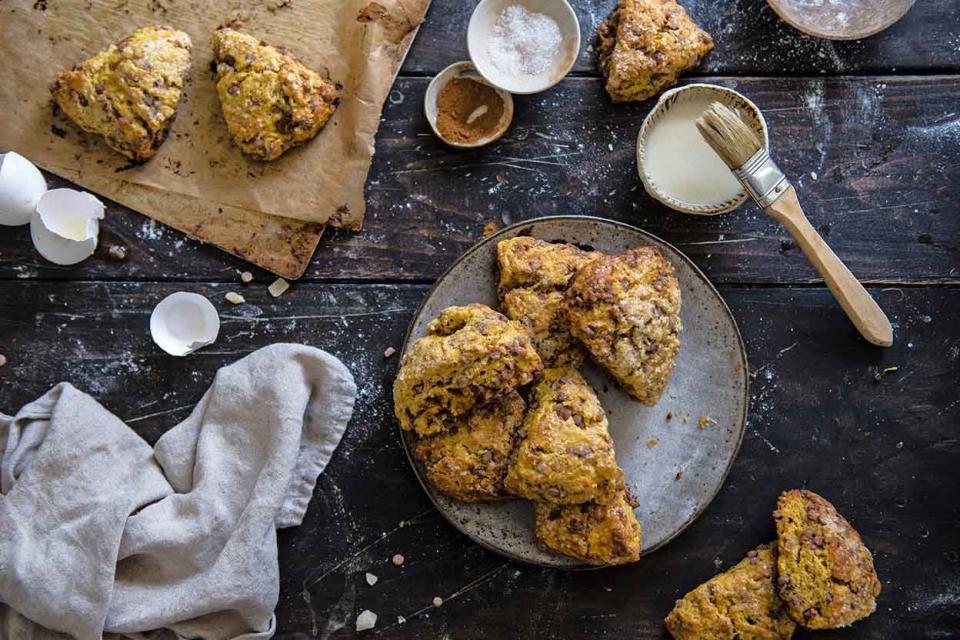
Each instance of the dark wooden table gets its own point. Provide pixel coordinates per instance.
(871, 133)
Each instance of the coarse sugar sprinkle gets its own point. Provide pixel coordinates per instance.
(523, 42)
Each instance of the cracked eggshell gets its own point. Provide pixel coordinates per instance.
(65, 225)
(21, 185)
(183, 322)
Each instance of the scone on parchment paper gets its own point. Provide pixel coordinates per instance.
(626, 310)
(565, 455)
(599, 534)
(469, 355)
(469, 462)
(534, 275)
(738, 604)
(128, 93)
(645, 45)
(826, 573)
(270, 101)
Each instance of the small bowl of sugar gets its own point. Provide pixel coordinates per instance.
(523, 46)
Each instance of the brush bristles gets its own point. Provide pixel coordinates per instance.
(730, 137)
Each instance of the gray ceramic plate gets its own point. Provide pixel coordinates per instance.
(673, 466)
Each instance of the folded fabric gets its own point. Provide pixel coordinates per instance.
(102, 533)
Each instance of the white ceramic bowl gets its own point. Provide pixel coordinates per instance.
(481, 25)
(464, 69)
(747, 109)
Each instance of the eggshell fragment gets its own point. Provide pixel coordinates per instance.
(183, 322)
(21, 185)
(65, 225)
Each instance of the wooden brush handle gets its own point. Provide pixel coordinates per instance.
(860, 307)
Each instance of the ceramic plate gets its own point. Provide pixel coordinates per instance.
(675, 455)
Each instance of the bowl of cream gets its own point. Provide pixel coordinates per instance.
(677, 166)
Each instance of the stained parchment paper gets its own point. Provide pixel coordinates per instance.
(214, 192)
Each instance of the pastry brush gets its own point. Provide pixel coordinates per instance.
(743, 151)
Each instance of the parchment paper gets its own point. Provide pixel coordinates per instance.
(199, 181)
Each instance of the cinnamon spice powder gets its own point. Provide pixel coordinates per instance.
(468, 111)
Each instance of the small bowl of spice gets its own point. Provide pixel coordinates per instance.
(465, 110)
(523, 46)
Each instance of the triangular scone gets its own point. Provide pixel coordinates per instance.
(469, 461)
(565, 455)
(271, 102)
(470, 355)
(599, 534)
(626, 311)
(646, 45)
(534, 275)
(128, 93)
(827, 579)
(739, 604)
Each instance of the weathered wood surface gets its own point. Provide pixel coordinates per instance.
(885, 152)
(750, 40)
(884, 450)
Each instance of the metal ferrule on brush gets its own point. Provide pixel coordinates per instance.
(762, 178)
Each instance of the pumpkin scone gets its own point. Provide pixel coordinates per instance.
(271, 102)
(645, 45)
(470, 462)
(128, 93)
(534, 275)
(599, 534)
(826, 573)
(738, 604)
(626, 310)
(469, 355)
(565, 455)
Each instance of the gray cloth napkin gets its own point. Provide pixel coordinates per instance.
(101, 533)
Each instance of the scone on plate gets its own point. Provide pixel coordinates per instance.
(645, 45)
(128, 93)
(470, 462)
(826, 574)
(599, 534)
(270, 101)
(626, 310)
(738, 604)
(533, 277)
(565, 455)
(469, 356)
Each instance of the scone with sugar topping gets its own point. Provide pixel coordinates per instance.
(626, 310)
(565, 455)
(534, 275)
(739, 604)
(470, 461)
(270, 101)
(469, 355)
(645, 45)
(826, 573)
(599, 534)
(128, 93)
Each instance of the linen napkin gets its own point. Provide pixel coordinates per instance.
(101, 533)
